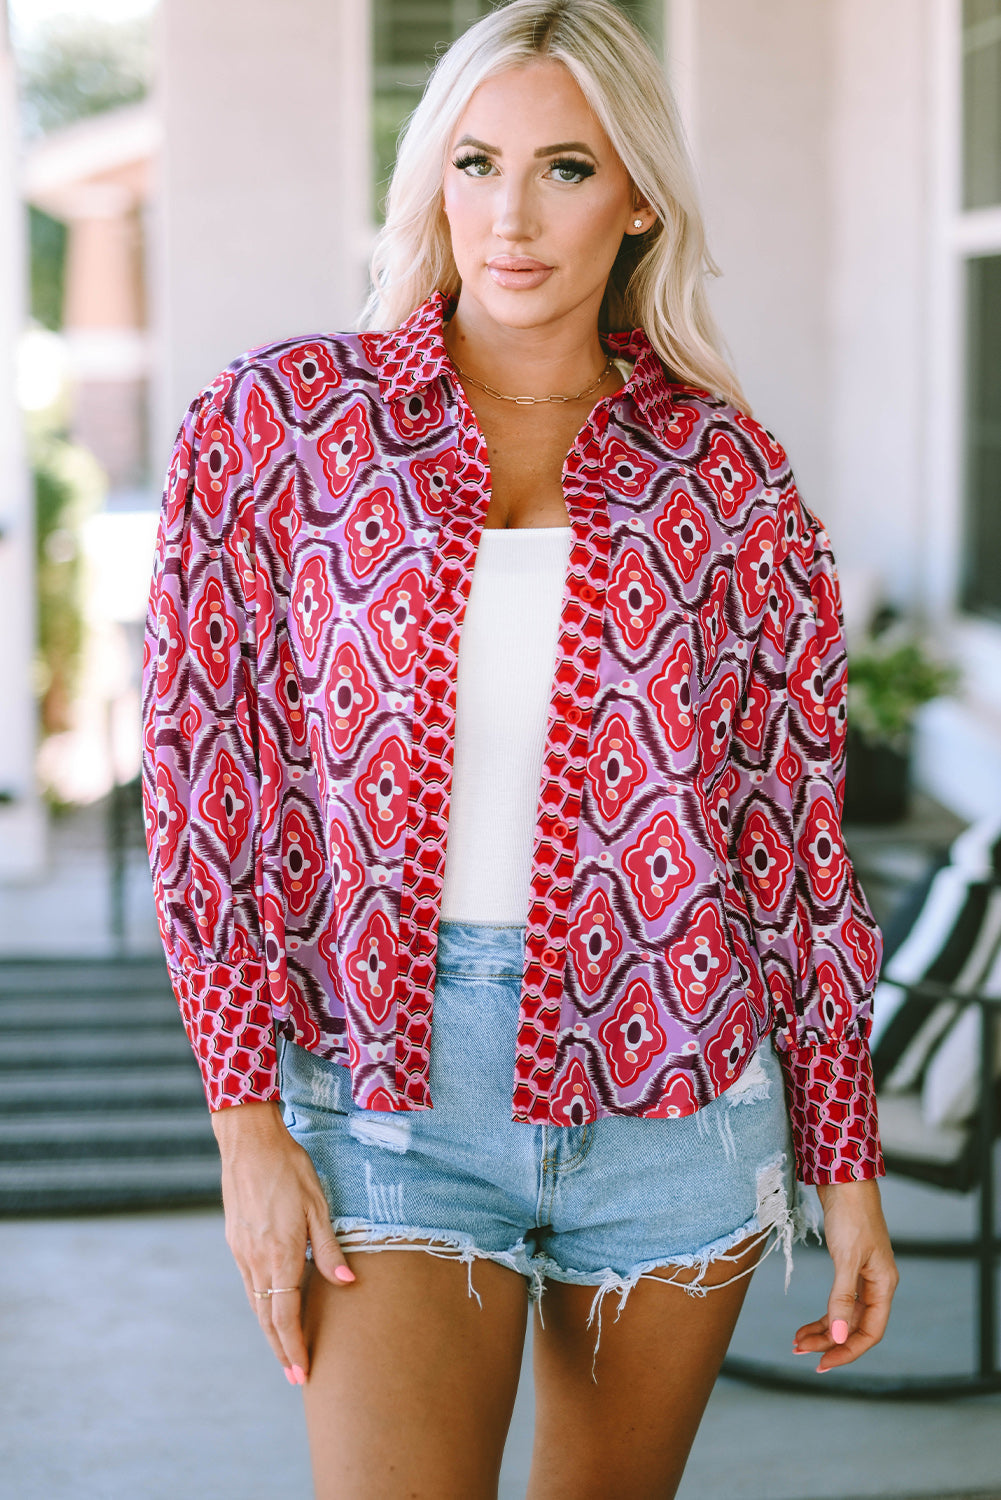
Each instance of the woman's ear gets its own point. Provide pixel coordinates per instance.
(641, 216)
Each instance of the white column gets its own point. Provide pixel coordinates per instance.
(753, 80)
(681, 61)
(879, 229)
(21, 820)
(263, 214)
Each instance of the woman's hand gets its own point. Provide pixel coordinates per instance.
(865, 1276)
(274, 1204)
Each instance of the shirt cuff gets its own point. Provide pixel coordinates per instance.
(227, 1014)
(832, 1108)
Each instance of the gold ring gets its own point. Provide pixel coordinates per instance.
(274, 1291)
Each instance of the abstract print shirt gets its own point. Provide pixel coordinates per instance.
(690, 890)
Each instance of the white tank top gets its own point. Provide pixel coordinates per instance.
(507, 655)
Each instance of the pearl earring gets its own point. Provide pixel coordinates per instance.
(637, 223)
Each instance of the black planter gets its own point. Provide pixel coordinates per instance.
(877, 782)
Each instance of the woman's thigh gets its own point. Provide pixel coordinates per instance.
(412, 1382)
(627, 1430)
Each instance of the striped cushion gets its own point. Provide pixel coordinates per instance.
(953, 938)
(950, 1091)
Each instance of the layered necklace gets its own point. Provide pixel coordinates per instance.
(537, 400)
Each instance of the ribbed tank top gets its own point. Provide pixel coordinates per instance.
(507, 655)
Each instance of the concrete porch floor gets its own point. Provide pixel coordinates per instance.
(132, 1368)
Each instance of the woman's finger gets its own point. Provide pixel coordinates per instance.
(276, 1300)
(872, 1316)
(256, 1280)
(812, 1338)
(328, 1257)
(259, 1283)
(284, 1331)
(842, 1304)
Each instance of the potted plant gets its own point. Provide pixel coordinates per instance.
(891, 672)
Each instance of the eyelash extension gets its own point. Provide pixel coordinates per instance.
(574, 164)
(567, 163)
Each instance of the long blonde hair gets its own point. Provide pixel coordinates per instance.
(658, 279)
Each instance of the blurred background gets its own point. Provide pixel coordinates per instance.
(183, 180)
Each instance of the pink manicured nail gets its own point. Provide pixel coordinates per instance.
(839, 1330)
(343, 1274)
(288, 1375)
(298, 1375)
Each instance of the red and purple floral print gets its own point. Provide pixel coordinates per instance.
(690, 890)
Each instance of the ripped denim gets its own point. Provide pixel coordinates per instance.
(604, 1204)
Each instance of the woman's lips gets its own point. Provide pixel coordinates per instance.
(518, 272)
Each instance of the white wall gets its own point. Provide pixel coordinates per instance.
(263, 197)
(21, 825)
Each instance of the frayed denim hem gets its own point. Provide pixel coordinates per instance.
(775, 1220)
(356, 1235)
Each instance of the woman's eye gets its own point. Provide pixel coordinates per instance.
(473, 166)
(569, 170)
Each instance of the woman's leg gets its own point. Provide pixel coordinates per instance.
(630, 1433)
(412, 1382)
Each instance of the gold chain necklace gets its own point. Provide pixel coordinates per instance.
(536, 400)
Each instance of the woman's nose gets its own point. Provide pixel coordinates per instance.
(514, 216)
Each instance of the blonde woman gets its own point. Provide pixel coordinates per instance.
(494, 755)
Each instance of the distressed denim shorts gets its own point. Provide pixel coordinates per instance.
(601, 1204)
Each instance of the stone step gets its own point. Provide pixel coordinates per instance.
(81, 976)
(101, 1103)
(104, 1133)
(121, 994)
(39, 1090)
(85, 1013)
(109, 1049)
(56, 1187)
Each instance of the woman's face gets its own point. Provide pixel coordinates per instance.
(536, 198)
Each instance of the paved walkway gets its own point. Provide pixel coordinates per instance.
(132, 1370)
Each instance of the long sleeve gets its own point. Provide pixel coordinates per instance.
(819, 945)
(201, 784)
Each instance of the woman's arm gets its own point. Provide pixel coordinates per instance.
(202, 789)
(818, 942)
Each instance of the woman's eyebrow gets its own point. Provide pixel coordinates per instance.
(565, 146)
(470, 140)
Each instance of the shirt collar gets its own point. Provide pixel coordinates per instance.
(648, 385)
(411, 356)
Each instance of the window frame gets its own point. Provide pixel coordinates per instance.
(958, 234)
